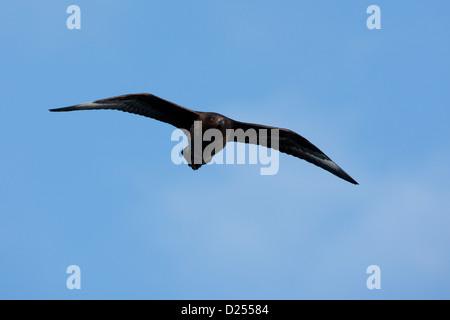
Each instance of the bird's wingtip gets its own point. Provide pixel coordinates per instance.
(71, 108)
(344, 175)
(350, 179)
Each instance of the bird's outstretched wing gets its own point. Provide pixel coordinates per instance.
(143, 104)
(290, 143)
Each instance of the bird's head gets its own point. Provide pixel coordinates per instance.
(218, 121)
(221, 122)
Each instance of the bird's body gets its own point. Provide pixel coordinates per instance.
(205, 121)
(189, 120)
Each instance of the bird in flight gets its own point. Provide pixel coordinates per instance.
(151, 106)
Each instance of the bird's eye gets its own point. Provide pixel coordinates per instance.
(221, 122)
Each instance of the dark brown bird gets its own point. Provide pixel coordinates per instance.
(151, 106)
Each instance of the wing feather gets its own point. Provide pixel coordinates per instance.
(143, 104)
(293, 144)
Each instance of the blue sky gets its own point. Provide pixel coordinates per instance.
(98, 189)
